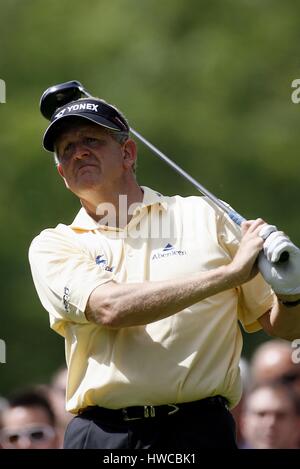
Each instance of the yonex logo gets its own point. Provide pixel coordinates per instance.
(100, 260)
(78, 107)
(168, 251)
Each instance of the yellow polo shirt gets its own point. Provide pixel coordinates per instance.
(188, 356)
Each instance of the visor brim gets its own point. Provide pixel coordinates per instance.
(54, 128)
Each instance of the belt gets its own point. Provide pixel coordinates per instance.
(152, 411)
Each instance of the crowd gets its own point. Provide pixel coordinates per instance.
(35, 417)
(267, 417)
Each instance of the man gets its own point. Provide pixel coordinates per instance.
(238, 409)
(57, 398)
(271, 418)
(147, 291)
(3, 405)
(274, 361)
(28, 422)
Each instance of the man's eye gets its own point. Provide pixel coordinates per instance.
(65, 152)
(91, 140)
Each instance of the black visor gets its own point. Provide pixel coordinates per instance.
(93, 110)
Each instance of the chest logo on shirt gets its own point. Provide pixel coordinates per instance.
(102, 262)
(168, 251)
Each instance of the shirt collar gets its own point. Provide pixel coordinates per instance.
(152, 197)
(83, 221)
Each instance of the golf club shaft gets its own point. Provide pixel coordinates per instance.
(236, 217)
(59, 92)
(47, 107)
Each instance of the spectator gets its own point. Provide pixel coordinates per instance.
(272, 361)
(237, 410)
(28, 422)
(3, 405)
(271, 418)
(57, 397)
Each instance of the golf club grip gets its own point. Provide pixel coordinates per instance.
(284, 257)
(238, 219)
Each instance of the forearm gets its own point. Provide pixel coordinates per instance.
(122, 305)
(284, 320)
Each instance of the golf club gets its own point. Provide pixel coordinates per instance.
(63, 93)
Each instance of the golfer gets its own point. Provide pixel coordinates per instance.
(148, 292)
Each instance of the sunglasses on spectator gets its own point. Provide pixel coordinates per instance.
(36, 434)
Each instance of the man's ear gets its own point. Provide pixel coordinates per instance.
(60, 170)
(130, 153)
(61, 173)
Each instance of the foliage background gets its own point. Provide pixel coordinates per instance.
(207, 81)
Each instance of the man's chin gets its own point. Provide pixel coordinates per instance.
(87, 179)
(86, 185)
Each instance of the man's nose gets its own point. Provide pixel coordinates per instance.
(271, 420)
(80, 151)
(24, 442)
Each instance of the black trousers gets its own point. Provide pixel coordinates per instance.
(202, 424)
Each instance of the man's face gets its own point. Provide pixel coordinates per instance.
(270, 420)
(89, 159)
(28, 428)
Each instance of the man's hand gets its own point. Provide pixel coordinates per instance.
(284, 277)
(243, 267)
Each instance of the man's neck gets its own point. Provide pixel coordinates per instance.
(112, 209)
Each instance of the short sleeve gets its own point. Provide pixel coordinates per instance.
(254, 297)
(64, 274)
